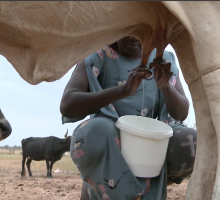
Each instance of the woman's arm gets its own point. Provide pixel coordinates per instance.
(176, 102)
(77, 101)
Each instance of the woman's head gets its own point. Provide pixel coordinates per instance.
(130, 47)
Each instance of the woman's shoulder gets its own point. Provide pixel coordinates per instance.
(108, 52)
(104, 53)
(167, 55)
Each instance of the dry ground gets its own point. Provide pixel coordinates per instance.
(65, 185)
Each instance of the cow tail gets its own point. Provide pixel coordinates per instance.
(23, 142)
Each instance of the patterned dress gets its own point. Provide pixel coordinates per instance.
(95, 145)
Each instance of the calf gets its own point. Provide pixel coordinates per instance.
(50, 149)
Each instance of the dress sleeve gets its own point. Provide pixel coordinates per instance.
(94, 65)
(95, 62)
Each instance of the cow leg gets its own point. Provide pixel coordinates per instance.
(51, 166)
(28, 163)
(48, 169)
(23, 167)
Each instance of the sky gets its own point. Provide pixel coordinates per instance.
(34, 110)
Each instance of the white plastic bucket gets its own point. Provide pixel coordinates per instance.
(144, 143)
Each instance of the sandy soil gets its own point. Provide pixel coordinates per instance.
(65, 185)
(177, 192)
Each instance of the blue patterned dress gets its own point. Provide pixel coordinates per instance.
(95, 146)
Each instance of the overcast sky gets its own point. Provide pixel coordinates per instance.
(33, 110)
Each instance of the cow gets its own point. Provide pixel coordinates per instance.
(44, 39)
(5, 127)
(49, 148)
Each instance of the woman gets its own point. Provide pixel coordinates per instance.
(108, 84)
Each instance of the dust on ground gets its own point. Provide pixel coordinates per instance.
(65, 184)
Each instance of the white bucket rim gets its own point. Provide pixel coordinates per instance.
(144, 133)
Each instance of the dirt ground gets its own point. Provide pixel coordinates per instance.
(65, 185)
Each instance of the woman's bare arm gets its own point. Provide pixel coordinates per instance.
(176, 102)
(78, 101)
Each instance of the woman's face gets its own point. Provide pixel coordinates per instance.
(130, 46)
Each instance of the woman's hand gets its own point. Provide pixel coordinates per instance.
(162, 73)
(176, 102)
(134, 79)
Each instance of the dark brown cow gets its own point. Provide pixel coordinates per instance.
(49, 148)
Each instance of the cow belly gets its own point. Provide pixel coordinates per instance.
(36, 156)
(37, 159)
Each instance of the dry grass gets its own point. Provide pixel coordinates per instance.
(65, 164)
(65, 185)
